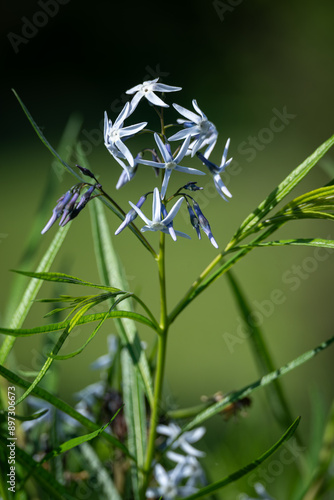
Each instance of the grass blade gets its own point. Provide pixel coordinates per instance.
(31, 291)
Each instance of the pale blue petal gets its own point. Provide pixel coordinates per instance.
(121, 117)
(151, 163)
(161, 87)
(163, 150)
(132, 129)
(140, 213)
(156, 206)
(184, 235)
(199, 111)
(221, 188)
(188, 170)
(126, 152)
(187, 114)
(173, 212)
(154, 99)
(183, 149)
(167, 175)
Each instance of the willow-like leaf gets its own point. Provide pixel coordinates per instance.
(282, 190)
(77, 441)
(56, 402)
(88, 318)
(26, 418)
(211, 488)
(262, 382)
(309, 242)
(66, 278)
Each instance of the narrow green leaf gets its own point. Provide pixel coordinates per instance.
(62, 406)
(135, 369)
(282, 190)
(262, 382)
(109, 269)
(66, 278)
(44, 140)
(23, 418)
(72, 443)
(31, 291)
(42, 476)
(248, 468)
(310, 242)
(88, 318)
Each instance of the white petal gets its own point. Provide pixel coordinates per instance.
(161, 87)
(132, 129)
(125, 151)
(163, 150)
(156, 206)
(167, 220)
(188, 114)
(140, 213)
(154, 99)
(199, 111)
(183, 149)
(188, 170)
(121, 117)
(167, 175)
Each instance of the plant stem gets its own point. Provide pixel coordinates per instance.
(161, 357)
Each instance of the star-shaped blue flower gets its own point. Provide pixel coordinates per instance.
(113, 133)
(147, 89)
(158, 223)
(169, 163)
(198, 127)
(216, 171)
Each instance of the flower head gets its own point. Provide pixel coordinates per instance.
(158, 223)
(216, 171)
(113, 133)
(170, 163)
(198, 127)
(147, 89)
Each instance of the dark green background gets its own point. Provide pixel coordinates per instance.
(240, 65)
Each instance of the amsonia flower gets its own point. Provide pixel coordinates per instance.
(192, 467)
(216, 171)
(113, 133)
(198, 127)
(178, 440)
(147, 89)
(169, 484)
(158, 223)
(131, 215)
(169, 163)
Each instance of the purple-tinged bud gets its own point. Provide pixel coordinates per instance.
(57, 211)
(68, 208)
(204, 224)
(194, 221)
(87, 172)
(131, 215)
(192, 186)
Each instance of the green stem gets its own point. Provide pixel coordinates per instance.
(161, 357)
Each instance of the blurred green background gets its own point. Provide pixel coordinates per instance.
(243, 62)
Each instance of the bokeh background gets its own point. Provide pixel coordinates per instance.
(244, 62)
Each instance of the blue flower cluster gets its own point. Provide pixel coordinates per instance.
(197, 133)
